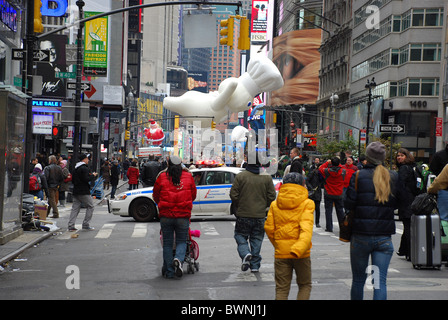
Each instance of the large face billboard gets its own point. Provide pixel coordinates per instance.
(52, 85)
(297, 57)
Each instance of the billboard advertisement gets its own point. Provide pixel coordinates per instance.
(95, 41)
(197, 80)
(259, 20)
(51, 85)
(297, 57)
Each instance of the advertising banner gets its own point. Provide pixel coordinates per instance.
(297, 57)
(95, 41)
(259, 19)
(42, 124)
(53, 86)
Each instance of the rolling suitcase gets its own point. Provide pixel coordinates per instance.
(426, 241)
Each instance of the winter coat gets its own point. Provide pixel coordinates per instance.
(81, 179)
(133, 174)
(289, 225)
(64, 185)
(315, 180)
(407, 178)
(174, 201)
(371, 217)
(252, 193)
(149, 173)
(105, 172)
(350, 170)
(54, 176)
(440, 182)
(114, 175)
(334, 178)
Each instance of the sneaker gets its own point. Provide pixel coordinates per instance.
(72, 229)
(254, 270)
(177, 268)
(88, 228)
(246, 262)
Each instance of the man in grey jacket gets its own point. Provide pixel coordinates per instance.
(252, 193)
(54, 176)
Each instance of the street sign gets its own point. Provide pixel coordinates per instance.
(67, 75)
(84, 86)
(38, 55)
(393, 128)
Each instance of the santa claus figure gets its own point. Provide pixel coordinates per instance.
(154, 133)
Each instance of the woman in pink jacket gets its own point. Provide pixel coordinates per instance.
(174, 192)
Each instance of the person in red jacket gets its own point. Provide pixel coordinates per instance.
(133, 174)
(174, 192)
(334, 177)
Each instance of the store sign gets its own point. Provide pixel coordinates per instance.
(42, 124)
(8, 15)
(56, 11)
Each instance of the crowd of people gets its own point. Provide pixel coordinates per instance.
(367, 188)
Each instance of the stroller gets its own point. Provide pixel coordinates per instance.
(191, 254)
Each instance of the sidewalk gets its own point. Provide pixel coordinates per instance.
(28, 239)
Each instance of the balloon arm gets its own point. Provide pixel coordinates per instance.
(223, 97)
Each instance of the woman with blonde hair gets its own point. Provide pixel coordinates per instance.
(373, 198)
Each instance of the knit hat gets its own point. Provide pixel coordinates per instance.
(376, 153)
(175, 160)
(294, 177)
(38, 166)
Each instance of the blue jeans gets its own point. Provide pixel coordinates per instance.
(249, 234)
(442, 204)
(339, 206)
(380, 248)
(173, 230)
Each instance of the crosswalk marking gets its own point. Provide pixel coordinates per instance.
(139, 231)
(208, 229)
(105, 231)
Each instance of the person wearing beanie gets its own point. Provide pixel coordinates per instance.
(289, 227)
(81, 193)
(64, 187)
(251, 193)
(373, 198)
(40, 176)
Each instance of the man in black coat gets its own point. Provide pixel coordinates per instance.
(114, 178)
(150, 171)
(81, 193)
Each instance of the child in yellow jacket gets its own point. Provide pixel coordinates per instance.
(289, 227)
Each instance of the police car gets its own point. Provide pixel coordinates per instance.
(212, 199)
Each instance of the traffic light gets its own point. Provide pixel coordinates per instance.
(127, 135)
(56, 132)
(227, 32)
(244, 39)
(38, 26)
(213, 125)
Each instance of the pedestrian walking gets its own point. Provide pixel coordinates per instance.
(114, 178)
(252, 192)
(334, 177)
(405, 163)
(82, 177)
(105, 173)
(174, 192)
(41, 180)
(54, 176)
(373, 200)
(64, 187)
(133, 173)
(314, 183)
(289, 227)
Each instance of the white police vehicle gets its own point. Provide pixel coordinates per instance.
(212, 199)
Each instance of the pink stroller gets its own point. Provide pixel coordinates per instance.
(192, 252)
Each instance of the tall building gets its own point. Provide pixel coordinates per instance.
(398, 46)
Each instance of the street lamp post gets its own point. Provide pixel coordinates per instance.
(333, 100)
(369, 85)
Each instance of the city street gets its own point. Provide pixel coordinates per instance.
(121, 260)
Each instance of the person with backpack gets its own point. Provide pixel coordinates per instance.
(334, 177)
(38, 182)
(405, 163)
